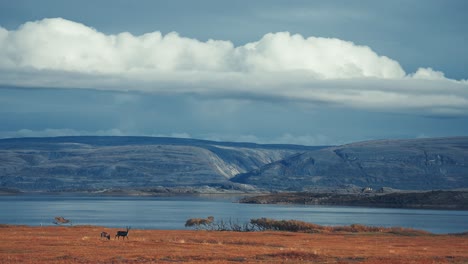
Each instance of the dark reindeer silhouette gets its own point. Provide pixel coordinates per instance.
(105, 235)
(123, 234)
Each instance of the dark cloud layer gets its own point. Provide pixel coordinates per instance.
(58, 112)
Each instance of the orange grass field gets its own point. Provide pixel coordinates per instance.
(82, 244)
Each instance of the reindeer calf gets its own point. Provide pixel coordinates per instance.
(105, 235)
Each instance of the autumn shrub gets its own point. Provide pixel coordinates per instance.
(285, 225)
(263, 224)
(358, 228)
(219, 225)
(300, 226)
(407, 231)
(200, 223)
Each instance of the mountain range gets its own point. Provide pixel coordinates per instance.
(418, 164)
(91, 163)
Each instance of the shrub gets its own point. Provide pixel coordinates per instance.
(285, 225)
(199, 222)
(299, 226)
(262, 224)
(220, 225)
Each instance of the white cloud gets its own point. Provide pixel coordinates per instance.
(233, 138)
(286, 138)
(59, 44)
(308, 140)
(62, 53)
(428, 74)
(323, 58)
(174, 135)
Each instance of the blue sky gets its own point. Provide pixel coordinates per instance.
(303, 72)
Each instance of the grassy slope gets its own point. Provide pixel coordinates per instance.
(82, 245)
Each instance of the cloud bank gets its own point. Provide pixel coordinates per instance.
(281, 66)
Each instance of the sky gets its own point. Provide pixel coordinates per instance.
(265, 71)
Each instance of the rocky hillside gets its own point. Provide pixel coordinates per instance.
(92, 163)
(98, 163)
(420, 164)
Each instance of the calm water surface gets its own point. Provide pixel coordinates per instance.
(172, 212)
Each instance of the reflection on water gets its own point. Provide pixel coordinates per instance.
(172, 212)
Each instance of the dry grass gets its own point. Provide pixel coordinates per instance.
(300, 226)
(78, 244)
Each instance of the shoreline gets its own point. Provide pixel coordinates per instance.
(427, 200)
(450, 200)
(357, 229)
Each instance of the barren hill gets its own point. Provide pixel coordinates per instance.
(90, 163)
(420, 164)
(97, 163)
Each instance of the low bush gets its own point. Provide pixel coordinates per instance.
(284, 225)
(300, 226)
(264, 224)
(219, 225)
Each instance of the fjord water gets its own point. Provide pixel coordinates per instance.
(172, 212)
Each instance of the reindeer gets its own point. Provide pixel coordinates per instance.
(123, 234)
(105, 235)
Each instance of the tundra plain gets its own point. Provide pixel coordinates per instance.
(83, 244)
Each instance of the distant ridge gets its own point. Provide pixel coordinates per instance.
(419, 164)
(96, 163)
(144, 140)
(82, 163)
